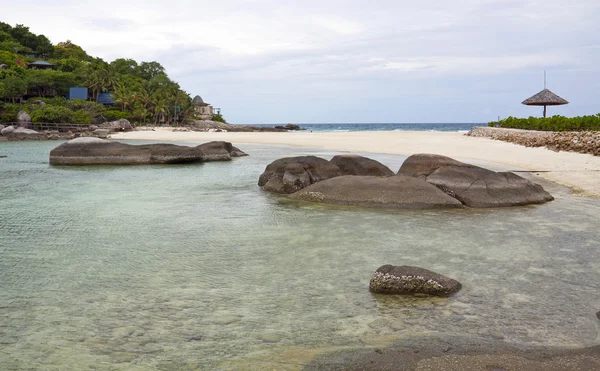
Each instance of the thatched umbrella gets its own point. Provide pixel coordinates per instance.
(545, 98)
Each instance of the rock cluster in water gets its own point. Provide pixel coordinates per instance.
(22, 131)
(572, 141)
(406, 280)
(95, 151)
(424, 181)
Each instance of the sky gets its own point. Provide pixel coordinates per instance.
(335, 61)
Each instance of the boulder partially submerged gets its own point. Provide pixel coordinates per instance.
(95, 151)
(472, 185)
(392, 192)
(407, 280)
(220, 151)
(290, 174)
(359, 165)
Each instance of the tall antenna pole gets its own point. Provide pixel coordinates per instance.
(544, 79)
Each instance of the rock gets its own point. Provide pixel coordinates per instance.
(423, 164)
(215, 126)
(598, 315)
(119, 125)
(21, 133)
(220, 151)
(101, 133)
(236, 152)
(406, 280)
(472, 185)
(290, 174)
(95, 151)
(39, 102)
(23, 119)
(24, 131)
(395, 192)
(359, 165)
(2, 127)
(289, 127)
(7, 130)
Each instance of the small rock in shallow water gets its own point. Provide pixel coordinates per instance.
(194, 338)
(598, 315)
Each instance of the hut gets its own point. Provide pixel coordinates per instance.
(40, 65)
(203, 110)
(545, 98)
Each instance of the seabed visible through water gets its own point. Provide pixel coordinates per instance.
(194, 267)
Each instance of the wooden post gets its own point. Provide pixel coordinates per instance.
(544, 111)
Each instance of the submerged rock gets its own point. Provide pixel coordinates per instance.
(598, 315)
(395, 192)
(406, 280)
(290, 174)
(472, 185)
(96, 151)
(359, 165)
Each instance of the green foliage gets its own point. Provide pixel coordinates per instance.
(54, 101)
(92, 108)
(12, 87)
(82, 117)
(67, 49)
(9, 111)
(112, 115)
(52, 114)
(554, 123)
(219, 118)
(150, 70)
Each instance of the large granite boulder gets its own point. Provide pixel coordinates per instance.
(395, 192)
(472, 185)
(406, 280)
(101, 133)
(96, 151)
(7, 130)
(24, 134)
(2, 127)
(119, 125)
(23, 119)
(359, 165)
(290, 174)
(219, 151)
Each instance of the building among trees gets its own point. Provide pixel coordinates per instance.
(204, 111)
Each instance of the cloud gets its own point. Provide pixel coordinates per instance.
(269, 60)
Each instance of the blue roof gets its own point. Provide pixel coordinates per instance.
(41, 63)
(105, 98)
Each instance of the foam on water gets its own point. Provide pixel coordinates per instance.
(192, 266)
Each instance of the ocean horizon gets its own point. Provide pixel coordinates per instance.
(457, 127)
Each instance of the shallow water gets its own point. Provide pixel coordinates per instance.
(193, 267)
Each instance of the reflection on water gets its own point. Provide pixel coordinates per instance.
(193, 267)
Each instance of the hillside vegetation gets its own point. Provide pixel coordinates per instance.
(142, 92)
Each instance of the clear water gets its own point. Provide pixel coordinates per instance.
(116, 268)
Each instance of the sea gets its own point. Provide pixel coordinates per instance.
(461, 127)
(194, 267)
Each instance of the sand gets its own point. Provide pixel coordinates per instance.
(580, 172)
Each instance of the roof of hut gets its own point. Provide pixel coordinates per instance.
(197, 101)
(545, 98)
(41, 63)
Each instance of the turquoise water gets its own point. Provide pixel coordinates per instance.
(194, 267)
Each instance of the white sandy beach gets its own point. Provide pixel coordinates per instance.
(581, 172)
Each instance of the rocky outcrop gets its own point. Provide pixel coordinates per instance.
(472, 185)
(291, 127)
(290, 174)
(359, 165)
(207, 125)
(392, 192)
(572, 141)
(115, 126)
(219, 151)
(101, 133)
(24, 134)
(406, 280)
(7, 130)
(95, 151)
(23, 119)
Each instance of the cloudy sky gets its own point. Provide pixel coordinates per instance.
(307, 61)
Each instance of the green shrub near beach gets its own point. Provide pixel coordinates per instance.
(554, 123)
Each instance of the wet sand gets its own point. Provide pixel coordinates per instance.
(580, 172)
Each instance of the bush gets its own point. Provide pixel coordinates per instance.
(554, 123)
(219, 118)
(82, 117)
(113, 115)
(55, 101)
(93, 108)
(9, 111)
(52, 114)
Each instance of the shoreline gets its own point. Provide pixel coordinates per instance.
(580, 172)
